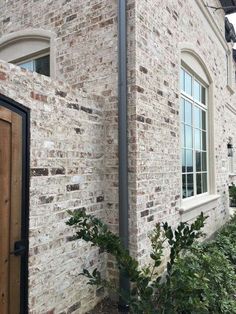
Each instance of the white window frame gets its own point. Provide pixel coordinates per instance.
(205, 107)
(192, 59)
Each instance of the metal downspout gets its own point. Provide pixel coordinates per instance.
(123, 142)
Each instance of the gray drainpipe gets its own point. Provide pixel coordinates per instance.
(123, 142)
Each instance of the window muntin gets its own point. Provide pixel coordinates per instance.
(40, 65)
(194, 136)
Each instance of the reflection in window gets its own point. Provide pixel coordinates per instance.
(40, 65)
(194, 136)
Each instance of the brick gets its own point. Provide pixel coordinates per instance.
(46, 199)
(88, 110)
(143, 69)
(73, 106)
(71, 17)
(140, 118)
(3, 76)
(145, 213)
(106, 23)
(39, 97)
(150, 204)
(100, 199)
(35, 172)
(72, 187)
(74, 307)
(58, 171)
(61, 93)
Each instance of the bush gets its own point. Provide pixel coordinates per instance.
(203, 281)
(200, 278)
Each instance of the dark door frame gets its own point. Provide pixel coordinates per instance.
(25, 114)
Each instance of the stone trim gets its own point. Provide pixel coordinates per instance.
(191, 209)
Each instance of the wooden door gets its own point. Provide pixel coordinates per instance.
(10, 210)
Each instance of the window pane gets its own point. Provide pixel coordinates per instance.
(203, 95)
(188, 137)
(199, 183)
(27, 65)
(197, 139)
(203, 120)
(203, 140)
(188, 84)
(42, 65)
(204, 183)
(204, 162)
(183, 160)
(182, 109)
(189, 160)
(184, 186)
(197, 89)
(182, 79)
(188, 113)
(182, 135)
(189, 185)
(197, 117)
(198, 161)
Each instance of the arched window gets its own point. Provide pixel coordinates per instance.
(196, 128)
(31, 50)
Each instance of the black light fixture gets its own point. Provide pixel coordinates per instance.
(230, 148)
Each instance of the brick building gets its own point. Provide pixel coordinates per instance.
(60, 133)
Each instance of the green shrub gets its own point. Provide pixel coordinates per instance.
(200, 278)
(203, 281)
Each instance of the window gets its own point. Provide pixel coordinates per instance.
(194, 135)
(31, 49)
(40, 65)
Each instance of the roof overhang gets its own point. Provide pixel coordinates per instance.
(229, 6)
(230, 35)
(234, 54)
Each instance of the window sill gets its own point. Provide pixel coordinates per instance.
(190, 209)
(232, 174)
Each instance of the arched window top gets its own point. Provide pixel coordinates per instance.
(18, 45)
(26, 46)
(192, 61)
(19, 49)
